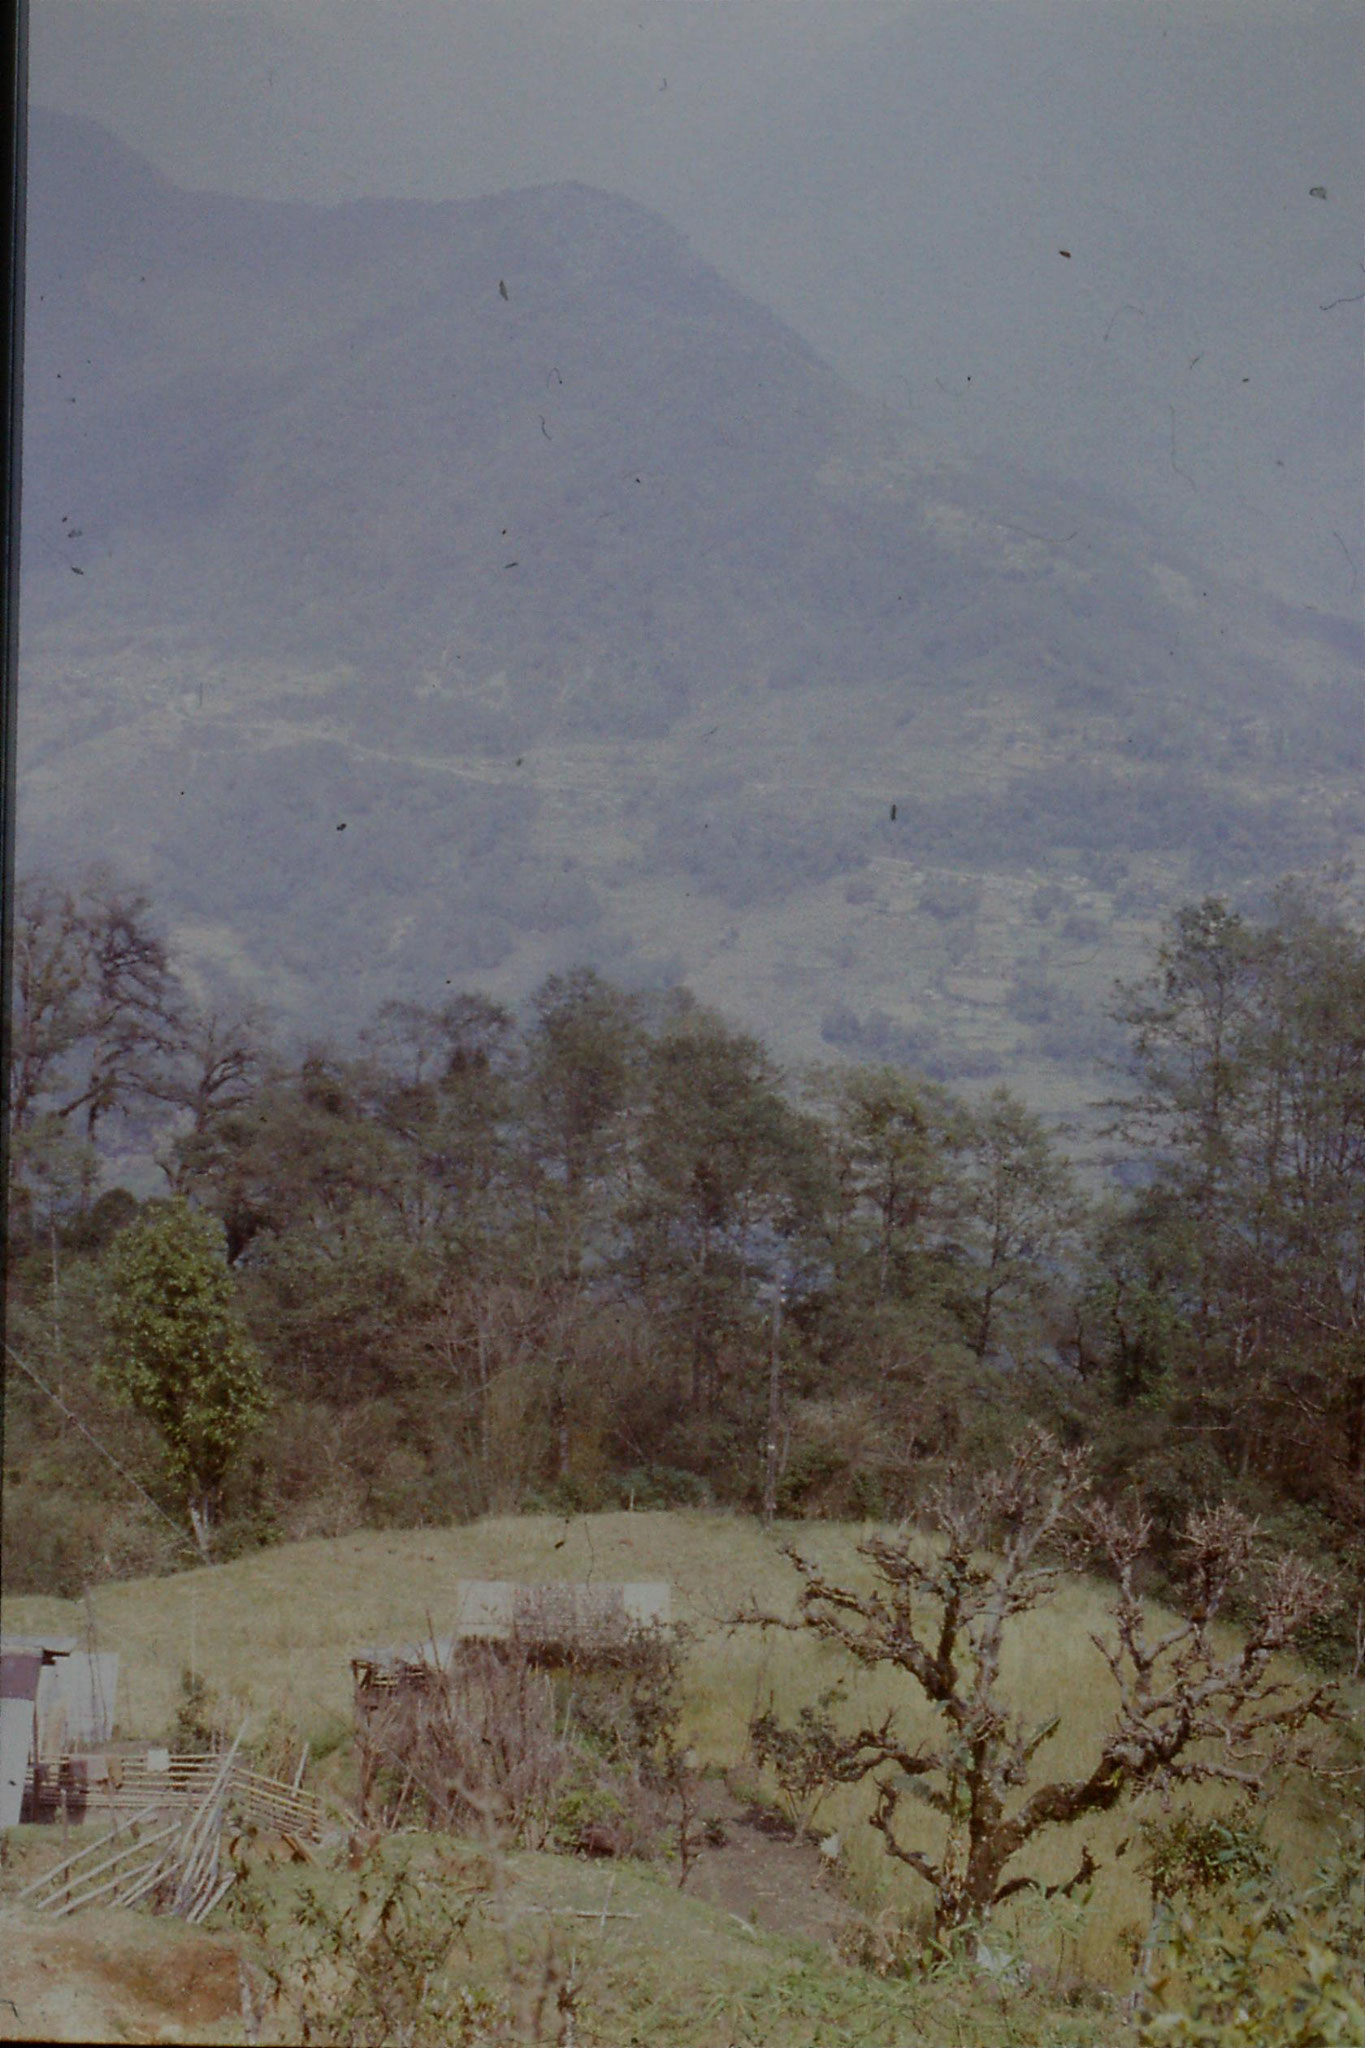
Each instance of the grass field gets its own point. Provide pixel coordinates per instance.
(652, 1966)
(272, 1634)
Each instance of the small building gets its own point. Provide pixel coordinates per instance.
(411, 1699)
(55, 1697)
(558, 1622)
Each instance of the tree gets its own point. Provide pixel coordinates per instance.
(888, 1323)
(1191, 1034)
(97, 1008)
(446, 1088)
(177, 1352)
(222, 1060)
(893, 1141)
(728, 1183)
(54, 1172)
(1019, 1208)
(1187, 1033)
(582, 1061)
(1301, 1182)
(1128, 1309)
(1249, 1098)
(1188, 1711)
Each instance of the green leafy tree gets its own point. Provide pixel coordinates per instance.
(177, 1351)
(1249, 1098)
(444, 1086)
(331, 1218)
(893, 1141)
(1019, 1208)
(1269, 1966)
(1136, 1278)
(728, 1189)
(887, 1319)
(583, 1058)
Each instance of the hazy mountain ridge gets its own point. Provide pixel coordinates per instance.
(599, 614)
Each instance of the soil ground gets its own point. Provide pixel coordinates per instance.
(115, 1976)
(773, 1881)
(111, 1976)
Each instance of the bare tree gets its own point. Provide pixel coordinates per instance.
(1187, 1711)
(97, 1007)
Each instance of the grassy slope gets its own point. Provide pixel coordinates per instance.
(660, 1968)
(272, 1634)
(665, 1968)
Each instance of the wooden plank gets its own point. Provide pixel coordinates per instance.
(204, 1830)
(268, 1802)
(157, 1875)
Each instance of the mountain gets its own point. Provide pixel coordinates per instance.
(428, 593)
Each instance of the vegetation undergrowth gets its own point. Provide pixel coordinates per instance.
(273, 1634)
(547, 1948)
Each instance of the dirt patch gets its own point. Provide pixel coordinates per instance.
(776, 1882)
(114, 1976)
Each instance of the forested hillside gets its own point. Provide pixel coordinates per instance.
(603, 1250)
(418, 591)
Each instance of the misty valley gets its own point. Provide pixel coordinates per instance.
(622, 966)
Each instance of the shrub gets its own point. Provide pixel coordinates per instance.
(381, 1965)
(1269, 1970)
(584, 1755)
(949, 897)
(1189, 1858)
(480, 1751)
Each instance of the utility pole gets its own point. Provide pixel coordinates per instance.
(774, 1412)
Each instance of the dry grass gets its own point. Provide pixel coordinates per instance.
(272, 1635)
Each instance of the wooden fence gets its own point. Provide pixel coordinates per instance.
(95, 1787)
(165, 1851)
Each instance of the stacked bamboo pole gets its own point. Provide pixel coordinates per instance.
(72, 1883)
(174, 1866)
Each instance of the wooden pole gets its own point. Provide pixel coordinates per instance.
(774, 1414)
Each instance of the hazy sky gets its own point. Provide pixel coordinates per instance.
(899, 179)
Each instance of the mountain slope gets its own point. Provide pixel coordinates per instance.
(424, 592)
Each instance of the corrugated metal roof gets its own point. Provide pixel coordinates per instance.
(561, 1609)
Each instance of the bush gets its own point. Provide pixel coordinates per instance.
(583, 1756)
(591, 1817)
(195, 1730)
(383, 1965)
(808, 1477)
(51, 1544)
(658, 1487)
(1271, 1969)
(1192, 1859)
(478, 1752)
(57, 1542)
(1032, 998)
(1046, 899)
